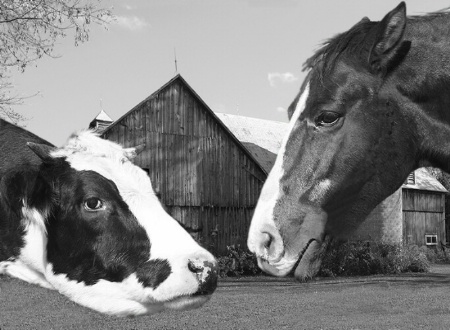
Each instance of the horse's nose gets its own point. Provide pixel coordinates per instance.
(206, 273)
(266, 243)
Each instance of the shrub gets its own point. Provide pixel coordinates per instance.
(368, 258)
(237, 262)
(344, 259)
(435, 254)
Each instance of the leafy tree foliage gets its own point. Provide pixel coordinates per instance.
(29, 30)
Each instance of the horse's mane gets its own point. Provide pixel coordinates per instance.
(354, 42)
(351, 41)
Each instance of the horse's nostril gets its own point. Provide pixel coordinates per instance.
(267, 240)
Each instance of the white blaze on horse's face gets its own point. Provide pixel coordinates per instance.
(265, 239)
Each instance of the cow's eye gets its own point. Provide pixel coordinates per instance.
(93, 204)
(328, 118)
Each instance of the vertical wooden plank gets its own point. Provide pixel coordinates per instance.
(149, 115)
(180, 111)
(188, 189)
(196, 119)
(165, 103)
(221, 179)
(155, 161)
(227, 190)
(184, 174)
(171, 118)
(444, 239)
(178, 172)
(170, 155)
(191, 115)
(188, 103)
(157, 114)
(207, 171)
(196, 157)
(201, 172)
(175, 166)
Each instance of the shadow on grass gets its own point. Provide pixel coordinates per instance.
(404, 278)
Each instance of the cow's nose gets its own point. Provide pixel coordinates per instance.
(206, 273)
(267, 244)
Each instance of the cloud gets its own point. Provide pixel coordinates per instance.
(272, 3)
(128, 7)
(281, 109)
(277, 77)
(132, 23)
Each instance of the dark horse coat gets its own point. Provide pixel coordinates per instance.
(374, 106)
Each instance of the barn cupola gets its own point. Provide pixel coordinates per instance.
(101, 122)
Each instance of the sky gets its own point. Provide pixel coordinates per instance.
(242, 57)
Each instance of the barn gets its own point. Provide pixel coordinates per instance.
(205, 176)
(209, 168)
(414, 214)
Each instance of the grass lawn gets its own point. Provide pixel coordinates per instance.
(411, 301)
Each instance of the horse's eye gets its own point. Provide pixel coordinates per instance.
(93, 204)
(327, 118)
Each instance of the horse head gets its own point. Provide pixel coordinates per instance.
(349, 146)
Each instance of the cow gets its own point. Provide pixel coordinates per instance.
(82, 219)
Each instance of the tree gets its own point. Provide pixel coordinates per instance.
(29, 30)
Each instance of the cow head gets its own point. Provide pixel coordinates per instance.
(96, 232)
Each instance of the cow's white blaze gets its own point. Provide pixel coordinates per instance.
(168, 239)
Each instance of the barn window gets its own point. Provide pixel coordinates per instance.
(431, 239)
(411, 178)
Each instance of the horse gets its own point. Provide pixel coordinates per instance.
(373, 107)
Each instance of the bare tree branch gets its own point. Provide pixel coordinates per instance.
(29, 30)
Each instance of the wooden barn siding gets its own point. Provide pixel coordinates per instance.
(423, 213)
(206, 181)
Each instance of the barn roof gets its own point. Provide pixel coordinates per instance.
(179, 78)
(262, 138)
(103, 116)
(101, 122)
(425, 181)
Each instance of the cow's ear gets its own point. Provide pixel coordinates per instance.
(131, 153)
(388, 38)
(42, 151)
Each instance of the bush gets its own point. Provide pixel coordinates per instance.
(237, 262)
(436, 255)
(345, 259)
(369, 258)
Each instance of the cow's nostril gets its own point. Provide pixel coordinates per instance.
(206, 273)
(195, 267)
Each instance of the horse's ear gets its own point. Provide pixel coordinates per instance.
(365, 19)
(387, 39)
(42, 151)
